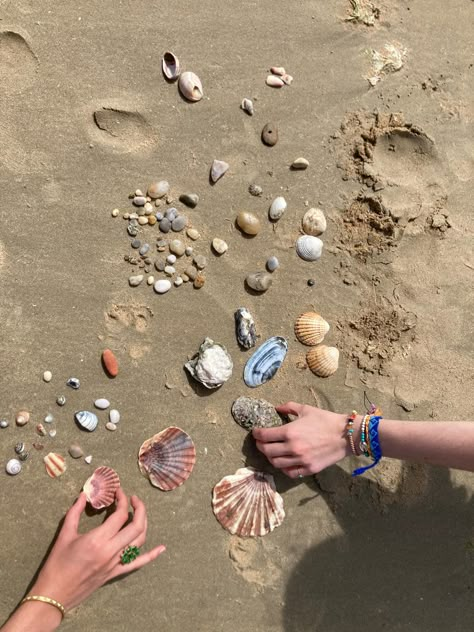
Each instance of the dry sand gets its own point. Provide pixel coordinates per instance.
(391, 551)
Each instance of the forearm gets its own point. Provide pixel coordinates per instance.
(33, 617)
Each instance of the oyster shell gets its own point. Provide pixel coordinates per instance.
(55, 464)
(212, 364)
(190, 86)
(100, 488)
(265, 361)
(322, 360)
(86, 420)
(314, 222)
(247, 503)
(170, 66)
(309, 248)
(310, 328)
(250, 413)
(168, 458)
(245, 328)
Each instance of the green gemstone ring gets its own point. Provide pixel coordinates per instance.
(131, 553)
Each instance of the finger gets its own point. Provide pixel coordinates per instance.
(141, 560)
(115, 521)
(267, 435)
(133, 530)
(140, 540)
(296, 472)
(286, 462)
(271, 450)
(290, 408)
(73, 516)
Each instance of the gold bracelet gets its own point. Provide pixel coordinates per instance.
(52, 602)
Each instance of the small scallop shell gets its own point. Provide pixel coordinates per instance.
(100, 488)
(190, 86)
(314, 223)
(13, 467)
(55, 464)
(170, 66)
(309, 248)
(247, 503)
(323, 361)
(274, 82)
(87, 420)
(310, 328)
(168, 458)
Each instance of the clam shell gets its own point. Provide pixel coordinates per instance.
(55, 464)
(86, 420)
(314, 222)
(277, 208)
(100, 488)
(110, 363)
(190, 86)
(265, 362)
(212, 364)
(218, 168)
(274, 82)
(247, 106)
(170, 66)
(250, 413)
(310, 328)
(245, 328)
(13, 467)
(309, 248)
(74, 383)
(247, 503)
(168, 458)
(323, 361)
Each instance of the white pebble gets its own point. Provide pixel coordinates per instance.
(150, 280)
(133, 216)
(114, 416)
(171, 259)
(52, 433)
(169, 270)
(47, 376)
(162, 286)
(49, 418)
(102, 403)
(178, 281)
(142, 220)
(189, 251)
(138, 193)
(88, 459)
(110, 426)
(219, 245)
(115, 212)
(148, 208)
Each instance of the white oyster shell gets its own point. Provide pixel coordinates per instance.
(212, 365)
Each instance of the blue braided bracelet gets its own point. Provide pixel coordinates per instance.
(375, 447)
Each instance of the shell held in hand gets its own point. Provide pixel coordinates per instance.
(101, 487)
(310, 328)
(247, 503)
(322, 360)
(170, 66)
(190, 86)
(309, 248)
(314, 222)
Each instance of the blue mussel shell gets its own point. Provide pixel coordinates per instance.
(265, 362)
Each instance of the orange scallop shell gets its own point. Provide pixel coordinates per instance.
(322, 360)
(100, 488)
(55, 464)
(110, 363)
(310, 328)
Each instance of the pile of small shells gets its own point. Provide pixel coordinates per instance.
(278, 77)
(310, 329)
(189, 83)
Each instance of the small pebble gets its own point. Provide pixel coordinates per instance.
(144, 249)
(159, 216)
(47, 376)
(52, 433)
(136, 243)
(132, 230)
(49, 418)
(61, 400)
(162, 286)
(189, 250)
(272, 264)
(41, 430)
(110, 426)
(4, 423)
(161, 245)
(74, 383)
(190, 199)
(88, 459)
(150, 280)
(158, 203)
(199, 281)
(139, 200)
(170, 270)
(259, 281)
(22, 418)
(171, 213)
(165, 225)
(110, 363)
(160, 265)
(200, 262)
(171, 259)
(255, 190)
(158, 189)
(134, 281)
(143, 220)
(191, 272)
(193, 234)
(311, 282)
(126, 215)
(148, 208)
(177, 247)
(185, 278)
(219, 246)
(133, 217)
(114, 416)
(102, 403)
(138, 193)
(152, 220)
(179, 223)
(75, 451)
(141, 212)
(299, 164)
(115, 212)
(270, 135)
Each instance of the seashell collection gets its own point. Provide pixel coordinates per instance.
(311, 329)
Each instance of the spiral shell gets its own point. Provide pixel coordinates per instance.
(13, 467)
(168, 458)
(309, 248)
(314, 222)
(322, 360)
(190, 86)
(170, 66)
(100, 488)
(310, 328)
(247, 503)
(55, 464)
(86, 420)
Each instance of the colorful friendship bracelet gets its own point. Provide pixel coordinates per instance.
(350, 431)
(373, 443)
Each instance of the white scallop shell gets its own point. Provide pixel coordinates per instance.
(13, 467)
(277, 208)
(309, 248)
(314, 222)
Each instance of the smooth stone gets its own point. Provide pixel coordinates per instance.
(111, 426)
(22, 418)
(300, 164)
(219, 246)
(177, 247)
(144, 249)
(139, 200)
(133, 217)
(190, 199)
(152, 220)
(134, 281)
(170, 270)
(114, 416)
(178, 281)
(161, 245)
(75, 451)
(141, 212)
(171, 213)
(160, 265)
(52, 433)
(193, 234)
(138, 193)
(143, 220)
(259, 281)
(185, 277)
(4, 423)
(150, 280)
(126, 216)
(272, 264)
(270, 134)
(102, 403)
(171, 259)
(165, 225)
(159, 216)
(136, 243)
(115, 212)
(61, 400)
(248, 223)
(311, 282)
(47, 376)
(179, 223)
(189, 251)
(158, 189)
(162, 286)
(200, 262)
(148, 208)
(132, 230)
(199, 281)
(49, 418)
(191, 272)
(88, 459)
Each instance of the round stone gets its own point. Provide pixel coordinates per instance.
(191, 272)
(135, 280)
(177, 247)
(259, 281)
(311, 282)
(102, 403)
(200, 262)
(49, 418)
(159, 216)
(136, 243)
(190, 199)
(272, 264)
(126, 216)
(75, 451)
(179, 223)
(148, 208)
(61, 400)
(169, 270)
(4, 423)
(150, 280)
(158, 189)
(189, 251)
(114, 416)
(199, 281)
(47, 376)
(171, 259)
(165, 225)
(138, 192)
(255, 190)
(193, 234)
(152, 220)
(139, 200)
(144, 249)
(178, 281)
(111, 426)
(162, 286)
(143, 220)
(270, 134)
(160, 265)
(219, 246)
(115, 212)
(171, 213)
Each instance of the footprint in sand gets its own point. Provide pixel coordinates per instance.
(121, 130)
(252, 560)
(121, 317)
(18, 62)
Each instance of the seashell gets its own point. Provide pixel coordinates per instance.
(20, 447)
(114, 416)
(61, 400)
(41, 430)
(170, 66)
(4, 423)
(255, 190)
(110, 363)
(22, 418)
(74, 383)
(219, 246)
(310, 328)
(219, 167)
(102, 403)
(49, 418)
(270, 135)
(300, 164)
(47, 376)
(265, 362)
(309, 248)
(278, 70)
(287, 79)
(248, 223)
(245, 328)
(38, 446)
(247, 503)
(168, 458)
(24, 456)
(247, 106)
(323, 361)
(277, 208)
(162, 286)
(190, 199)
(259, 281)
(274, 82)
(75, 451)
(255, 413)
(88, 459)
(55, 464)
(314, 223)
(101, 487)
(52, 433)
(13, 467)
(190, 86)
(212, 364)
(158, 190)
(87, 420)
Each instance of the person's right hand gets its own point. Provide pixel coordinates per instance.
(79, 564)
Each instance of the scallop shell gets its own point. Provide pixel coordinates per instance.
(100, 488)
(265, 362)
(87, 420)
(170, 66)
(309, 248)
(55, 464)
(245, 328)
(310, 328)
(168, 458)
(247, 503)
(277, 208)
(190, 86)
(314, 223)
(218, 168)
(13, 467)
(323, 361)
(212, 364)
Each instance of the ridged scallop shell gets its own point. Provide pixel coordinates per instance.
(247, 503)
(314, 222)
(265, 362)
(190, 86)
(170, 66)
(168, 458)
(55, 464)
(86, 420)
(323, 361)
(100, 488)
(310, 328)
(309, 248)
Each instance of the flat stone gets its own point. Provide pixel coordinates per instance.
(191, 272)
(177, 247)
(190, 199)
(300, 164)
(162, 286)
(219, 246)
(171, 213)
(135, 280)
(160, 265)
(111, 426)
(75, 451)
(200, 262)
(143, 220)
(144, 249)
(102, 403)
(259, 281)
(165, 225)
(270, 134)
(139, 200)
(170, 270)
(193, 234)
(179, 223)
(136, 243)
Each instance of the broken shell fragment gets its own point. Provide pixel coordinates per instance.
(101, 487)
(74, 383)
(41, 430)
(190, 86)
(265, 361)
(212, 364)
(323, 361)
(247, 503)
(277, 208)
(270, 135)
(278, 70)
(170, 66)
(274, 82)
(110, 363)
(310, 328)
(314, 222)
(248, 223)
(13, 467)
(219, 167)
(55, 464)
(86, 420)
(168, 458)
(247, 106)
(299, 164)
(245, 328)
(259, 281)
(22, 418)
(309, 248)
(250, 413)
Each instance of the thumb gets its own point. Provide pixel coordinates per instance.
(71, 522)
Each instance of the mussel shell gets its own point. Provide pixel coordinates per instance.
(87, 420)
(190, 86)
(310, 328)
(101, 487)
(322, 360)
(265, 362)
(170, 66)
(309, 248)
(245, 328)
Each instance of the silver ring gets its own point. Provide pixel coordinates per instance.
(299, 473)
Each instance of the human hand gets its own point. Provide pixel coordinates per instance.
(307, 445)
(79, 564)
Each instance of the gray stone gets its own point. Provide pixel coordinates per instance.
(190, 199)
(135, 280)
(255, 413)
(200, 262)
(179, 223)
(259, 281)
(144, 249)
(136, 243)
(171, 213)
(160, 265)
(272, 264)
(165, 225)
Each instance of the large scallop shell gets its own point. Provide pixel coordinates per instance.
(190, 86)
(265, 362)
(168, 458)
(314, 222)
(247, 503)
(323, 361)
(310, 328)
(55, 464)
(170, 66)
(309, 248)
(86, 420)
(100, 488)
